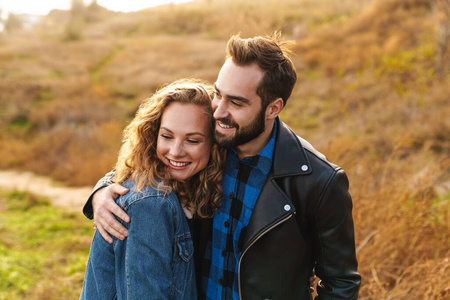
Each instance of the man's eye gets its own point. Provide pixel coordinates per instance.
(236, 104)
(218, 95)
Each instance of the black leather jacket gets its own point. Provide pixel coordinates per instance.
(302, 219)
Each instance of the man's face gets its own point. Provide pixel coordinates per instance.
(237, 108)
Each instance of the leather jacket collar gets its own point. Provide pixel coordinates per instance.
(289, 155)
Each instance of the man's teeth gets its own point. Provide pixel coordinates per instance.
(224, 126)
(178, 164)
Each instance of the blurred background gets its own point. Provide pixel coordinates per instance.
(373, 94)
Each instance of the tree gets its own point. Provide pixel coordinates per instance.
(94, 3)
(441, 9)
(93, 12)
(74, 28)
(77, 8)
(13, 23)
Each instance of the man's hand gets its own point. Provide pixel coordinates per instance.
(312, 280)
(104, 206)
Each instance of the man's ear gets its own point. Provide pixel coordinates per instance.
(274, 108)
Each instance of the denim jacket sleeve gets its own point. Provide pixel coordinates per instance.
(149, 248)
(104, 182)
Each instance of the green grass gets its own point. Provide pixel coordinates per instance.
(43, 250)
(104, 62)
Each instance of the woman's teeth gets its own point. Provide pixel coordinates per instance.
(178, 164)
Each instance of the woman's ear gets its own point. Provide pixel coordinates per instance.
(274, 108)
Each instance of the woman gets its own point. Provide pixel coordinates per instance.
(173, 169)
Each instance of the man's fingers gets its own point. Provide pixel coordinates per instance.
(312, 280)
(115, 209)
(116, 190)
(105, 208)
(107, 220)
(111, 230)
(112, 207)
(104, 234)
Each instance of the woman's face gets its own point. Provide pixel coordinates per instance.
(184, 139)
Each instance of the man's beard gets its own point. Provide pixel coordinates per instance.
(243, 135)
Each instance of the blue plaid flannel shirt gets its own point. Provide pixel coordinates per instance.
(242, 184)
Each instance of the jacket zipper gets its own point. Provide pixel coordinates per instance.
(254, 241)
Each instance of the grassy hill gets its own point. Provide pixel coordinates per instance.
(368, 97)
(43, 249)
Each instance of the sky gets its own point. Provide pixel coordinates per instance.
(42, 7)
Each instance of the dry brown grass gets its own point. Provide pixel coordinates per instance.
(383, 115)
(367, 96)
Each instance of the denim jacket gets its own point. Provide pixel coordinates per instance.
(155, 261)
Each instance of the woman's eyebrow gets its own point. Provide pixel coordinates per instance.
(165, 128)
(195, 133)
(187, 134)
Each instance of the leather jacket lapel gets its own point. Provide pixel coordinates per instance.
(273, 205)
(289, 157)
(269, 210)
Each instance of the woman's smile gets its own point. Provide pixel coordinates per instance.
(176, 164)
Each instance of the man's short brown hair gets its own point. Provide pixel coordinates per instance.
(269, 54)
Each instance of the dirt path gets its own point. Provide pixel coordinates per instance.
(70, 198)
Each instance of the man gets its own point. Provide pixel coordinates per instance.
(285, 209)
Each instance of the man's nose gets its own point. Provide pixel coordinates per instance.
(220, 109)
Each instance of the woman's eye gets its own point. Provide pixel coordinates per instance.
(193, 141)
(165, 136)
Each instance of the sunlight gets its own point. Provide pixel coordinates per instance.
(43, 7)
(133, 5)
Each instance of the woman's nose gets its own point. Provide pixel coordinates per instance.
(177, 149)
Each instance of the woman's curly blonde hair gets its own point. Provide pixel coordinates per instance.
(138, 159)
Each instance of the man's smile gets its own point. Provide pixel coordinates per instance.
(222, 125)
